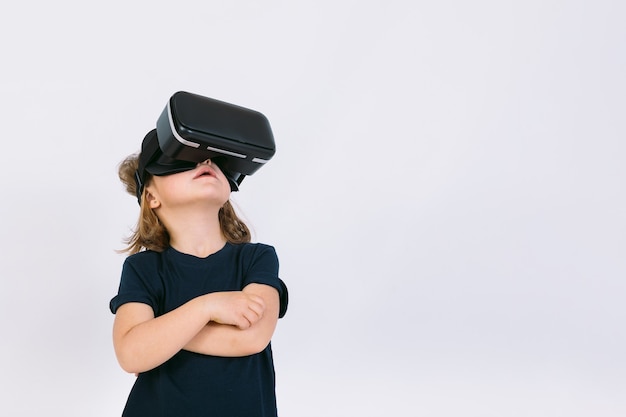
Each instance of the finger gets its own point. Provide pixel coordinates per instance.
(257, 309)
(244, 322)
(258, 305)
(253, 316)
(258, 300)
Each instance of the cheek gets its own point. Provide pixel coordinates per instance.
(166, 186)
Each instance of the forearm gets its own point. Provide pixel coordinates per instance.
(143, 342)
(152, 342)
(223, 340)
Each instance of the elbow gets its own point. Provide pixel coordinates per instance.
(258, 339)
(129, 367)
(246, 344)
(133, 367)
(127, 364)
(255, 346)
(129, 361)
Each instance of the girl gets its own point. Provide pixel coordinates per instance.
(197, 303)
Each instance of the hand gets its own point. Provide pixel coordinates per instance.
(235, 308)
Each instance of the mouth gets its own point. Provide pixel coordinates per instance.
(204, 171)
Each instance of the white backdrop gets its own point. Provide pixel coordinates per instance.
(447, 198)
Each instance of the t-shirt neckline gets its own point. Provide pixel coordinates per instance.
(189, 258)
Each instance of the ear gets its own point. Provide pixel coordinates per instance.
(153, 202)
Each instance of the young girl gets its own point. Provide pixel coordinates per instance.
(197, 303)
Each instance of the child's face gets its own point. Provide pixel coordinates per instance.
(205, 183)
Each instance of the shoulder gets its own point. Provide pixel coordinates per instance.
(140, 281)
(254, 250)
(143, 256)
(143, 260)
(261, 267)
(256, 247)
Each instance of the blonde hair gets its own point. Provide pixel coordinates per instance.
(151, 234)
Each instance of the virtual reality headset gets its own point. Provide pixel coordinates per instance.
(193, 128)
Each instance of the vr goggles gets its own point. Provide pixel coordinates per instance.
(193, 128)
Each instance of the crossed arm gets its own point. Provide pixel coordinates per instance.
(236, 323)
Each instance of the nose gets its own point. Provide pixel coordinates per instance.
(205, 162)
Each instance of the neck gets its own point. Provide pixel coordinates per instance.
(194, 232)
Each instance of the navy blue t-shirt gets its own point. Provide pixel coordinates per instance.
(191, 384)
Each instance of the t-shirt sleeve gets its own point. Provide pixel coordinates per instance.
(136, 287)
(263, 269)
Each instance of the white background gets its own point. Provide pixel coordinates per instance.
(447, 198)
